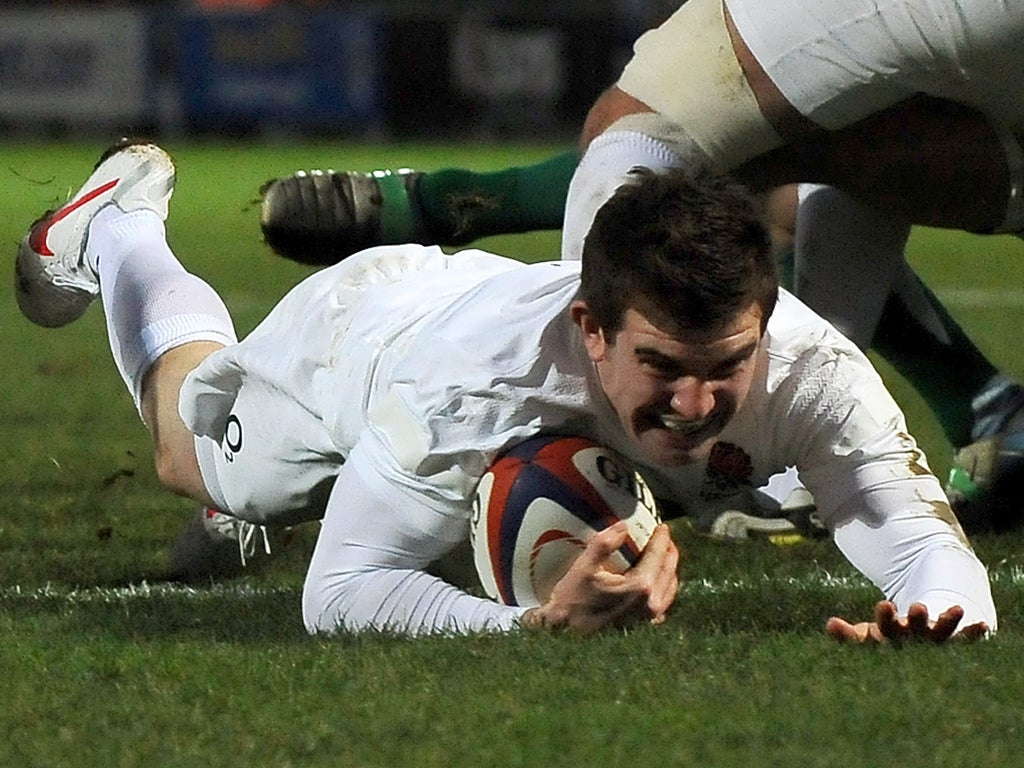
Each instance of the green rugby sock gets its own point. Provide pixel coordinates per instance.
(946, 375)
(459, 206)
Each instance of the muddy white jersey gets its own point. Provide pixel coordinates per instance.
(412, 370)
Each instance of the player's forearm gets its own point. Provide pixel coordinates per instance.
(404, 601)
(920, 559)
(943, 576)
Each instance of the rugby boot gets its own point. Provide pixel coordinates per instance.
(54, 284)
(986, 480)
(320, 217)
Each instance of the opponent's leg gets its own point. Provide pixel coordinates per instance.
(980, 409)
(927, 346)
(320, 217)
(460, 206)
(847, 255)
(842, 243)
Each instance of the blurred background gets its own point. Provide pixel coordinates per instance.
(383, 70)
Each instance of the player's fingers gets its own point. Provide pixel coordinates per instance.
(666, 586)
(888, 622)
(659, 560)
(659, 551)
(840, 629)
(918, 624)
(618, 589)
(662, 596)
(647, 590)
(627, 599)
(658, 547)
(659, 554)
(973, 632)
(612, 582)
(603, 543)
(946, 624)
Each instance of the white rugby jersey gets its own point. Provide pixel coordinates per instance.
(423, 367)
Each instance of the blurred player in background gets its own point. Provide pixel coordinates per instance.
(378, 392)
(882, 107)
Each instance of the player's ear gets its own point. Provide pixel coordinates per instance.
(591, 330)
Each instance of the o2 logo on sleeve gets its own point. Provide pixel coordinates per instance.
(232, 442)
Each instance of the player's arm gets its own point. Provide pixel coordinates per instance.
(368, 568)
(935, 586)
(887, 511)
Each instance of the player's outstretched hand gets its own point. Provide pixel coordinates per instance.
(591, 597)
(890, 627)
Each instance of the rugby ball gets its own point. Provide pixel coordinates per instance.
(537, 506)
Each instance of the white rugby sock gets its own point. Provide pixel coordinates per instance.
(848, 258)
(152, 304)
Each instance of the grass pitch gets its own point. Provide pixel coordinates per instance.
(104, 663)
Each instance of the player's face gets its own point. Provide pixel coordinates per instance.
(675, 393)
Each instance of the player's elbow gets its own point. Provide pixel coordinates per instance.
(329, 603)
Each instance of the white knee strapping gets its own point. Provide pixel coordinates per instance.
(151, 303)
(686, 70)
(628, 143)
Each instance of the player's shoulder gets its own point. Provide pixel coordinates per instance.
(806, 353)
(794, 330)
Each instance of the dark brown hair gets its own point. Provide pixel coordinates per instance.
(688, 248)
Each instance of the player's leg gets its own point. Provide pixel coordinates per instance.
(896, 160)
(174, 452)
(684, 98)
(320, 217)
(847, 255)
(162, 321)
(881, 143)
(466, 205)
(927, 346)
(980, 409)
(109, 241)
(835, 102)
(842, 243)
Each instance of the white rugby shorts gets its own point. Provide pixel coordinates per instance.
(275, 464)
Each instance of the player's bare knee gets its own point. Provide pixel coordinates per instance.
(167, 469)
(178, 473)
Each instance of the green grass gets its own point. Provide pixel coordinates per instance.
(102, 663)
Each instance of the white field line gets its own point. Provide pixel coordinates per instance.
(1012, 575)
(982, 298)
(136, 593)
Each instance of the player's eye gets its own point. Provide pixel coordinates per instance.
(729, 368)
(726, 371)
(663, 368)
